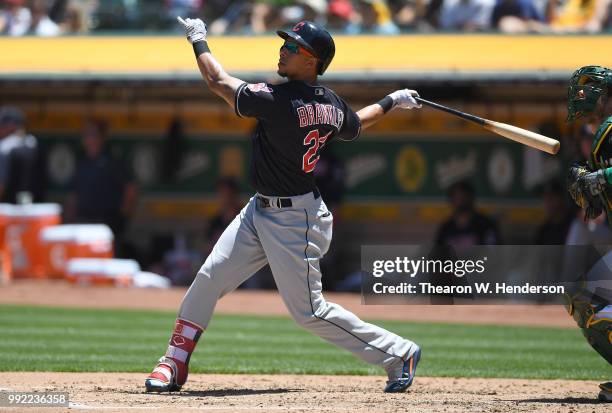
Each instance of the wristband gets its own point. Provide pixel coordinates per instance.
(386, 103)
(200, 48)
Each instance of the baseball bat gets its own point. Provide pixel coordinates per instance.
(531, 139)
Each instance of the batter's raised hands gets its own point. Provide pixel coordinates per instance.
(195, 29)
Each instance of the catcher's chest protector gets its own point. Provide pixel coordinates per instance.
(601, 158)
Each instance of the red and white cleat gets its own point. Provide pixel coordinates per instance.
(163, 377)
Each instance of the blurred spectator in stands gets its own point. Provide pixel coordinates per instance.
(592, 232)
(76, 19)
(170, 256)
(558, 216)
(580, 141)
(184, 8)
(15, 18)
(408, 14)
(330, 177)
(586, 132)
(313, 10)
(103, 188)
(113, 15)
(466, 226)
(607, 23)
(518, 16)
(73, 16)
(181, 264)
(229, 204)
(57, 10)
(134, 11)
(21, 161)
(431, 18)
(265, 15)
(213, 9)
(466, 15)
(376, 17)
(568, 16)
(342, 17)
(234, 19)
(172, 151)
(41, 24)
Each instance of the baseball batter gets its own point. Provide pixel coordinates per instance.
(590, 186)
(286, 223)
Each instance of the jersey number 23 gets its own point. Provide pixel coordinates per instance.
(314, 143)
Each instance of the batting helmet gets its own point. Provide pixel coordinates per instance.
(586, 86)
(313, 38)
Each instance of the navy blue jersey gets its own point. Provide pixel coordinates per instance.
(295, 121)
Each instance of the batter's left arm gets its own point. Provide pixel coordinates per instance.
(403, 99)
(217, 79)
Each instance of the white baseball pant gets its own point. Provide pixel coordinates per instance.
(292, 240)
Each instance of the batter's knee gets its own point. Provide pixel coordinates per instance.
(306, 321)
(316, 313)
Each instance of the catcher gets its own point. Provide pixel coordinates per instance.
(590, 186)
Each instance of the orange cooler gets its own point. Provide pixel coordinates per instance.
(64, 242)
(22, 237)
(6, 270)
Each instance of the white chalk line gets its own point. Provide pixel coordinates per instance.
(77, 406)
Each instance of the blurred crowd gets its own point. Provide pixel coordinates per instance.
(47, 17)
(387, 17)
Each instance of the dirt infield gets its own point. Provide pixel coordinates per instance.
(123, 392)
(62, 294)
(230, 393)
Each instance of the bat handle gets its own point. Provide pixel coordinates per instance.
(181, 21)
(463, 115)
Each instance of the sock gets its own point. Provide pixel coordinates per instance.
(182, 343)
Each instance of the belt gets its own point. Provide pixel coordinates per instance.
(265, 202)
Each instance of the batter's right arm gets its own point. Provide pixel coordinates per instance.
(217, 79)
(403, 98)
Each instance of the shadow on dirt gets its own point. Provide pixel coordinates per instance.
(565, 400)
(218, 392)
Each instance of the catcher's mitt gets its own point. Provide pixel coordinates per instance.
(581, 194)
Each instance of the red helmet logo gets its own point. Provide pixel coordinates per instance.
(298, 26)
(580, 95)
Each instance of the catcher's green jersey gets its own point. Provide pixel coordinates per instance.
(601, 158)
(593, 314)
